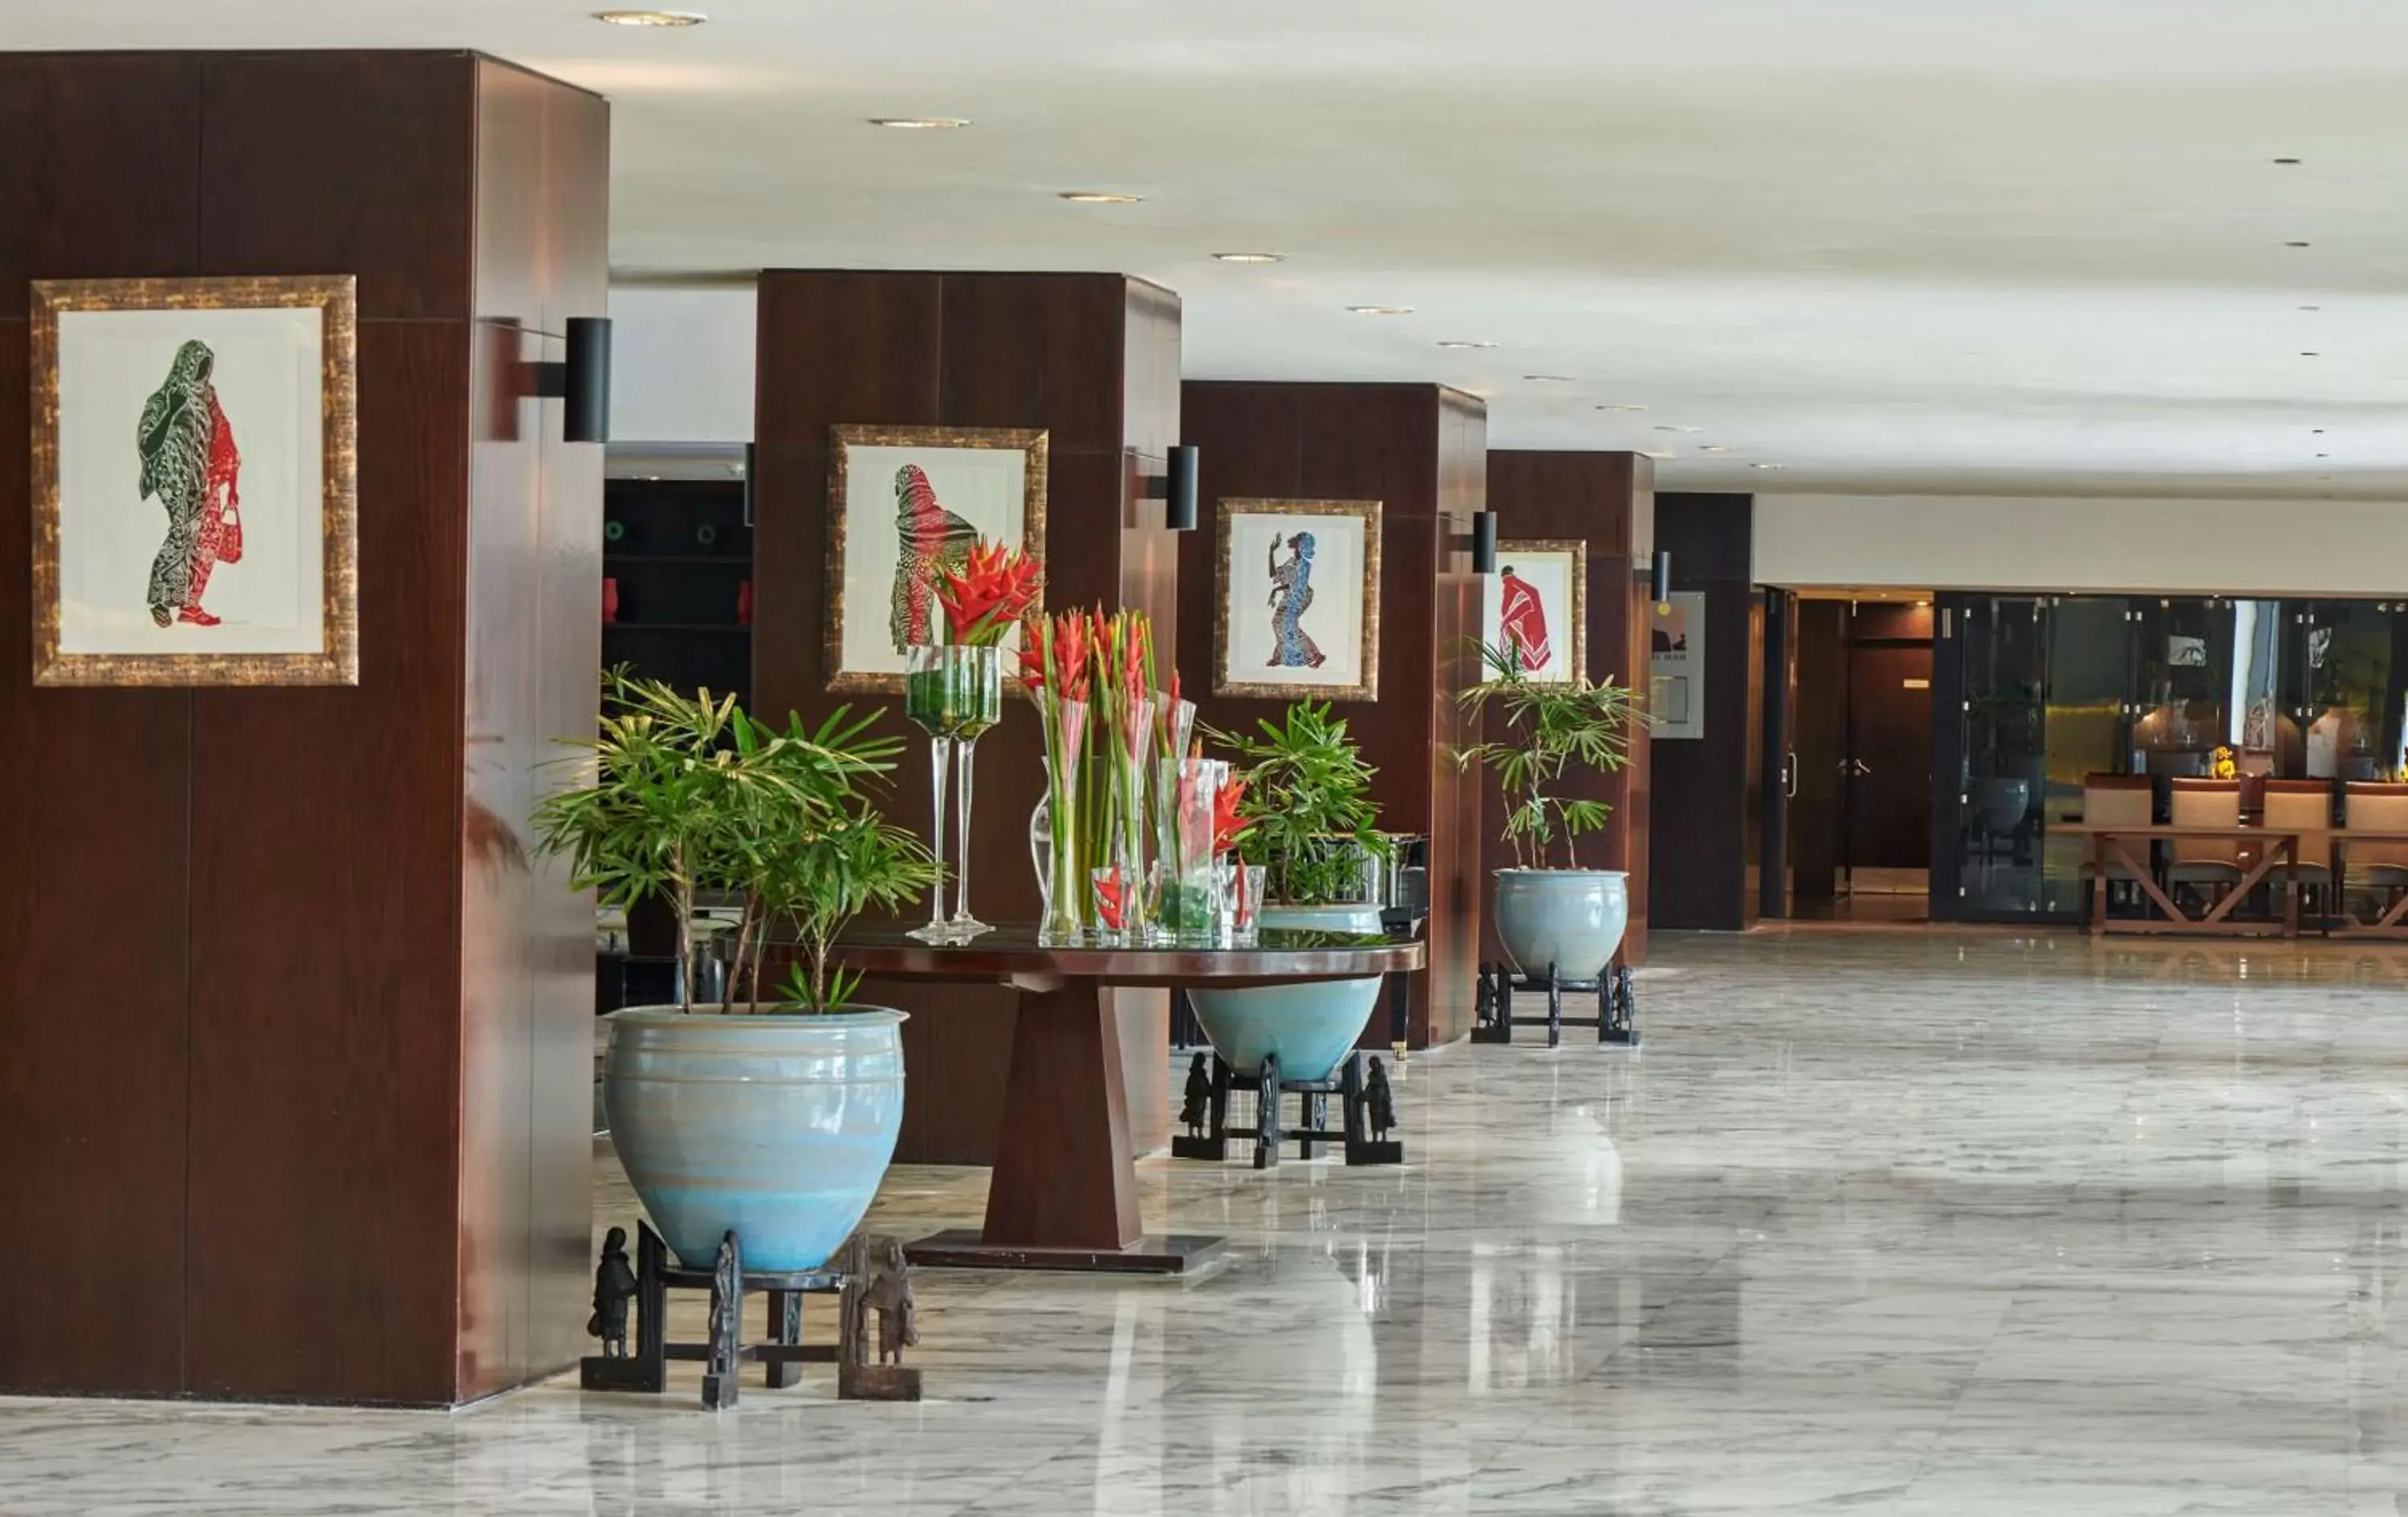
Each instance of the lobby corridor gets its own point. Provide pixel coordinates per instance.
(1875, 1223)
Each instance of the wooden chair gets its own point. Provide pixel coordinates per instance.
(2303, 806)
(2210, 865)
(2116, 800)
(2375, 805)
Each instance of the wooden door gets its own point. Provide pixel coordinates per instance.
(1818, 736)
(1889, 753)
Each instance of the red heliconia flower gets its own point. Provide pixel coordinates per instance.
(1112, 897)
(1070, 649)
(1227, 827)
(986, 596)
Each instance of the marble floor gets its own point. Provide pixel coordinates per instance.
(1875, 1223)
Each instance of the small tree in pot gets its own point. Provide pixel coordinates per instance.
(1309, 821)
(714, 1116)
(1567, 916)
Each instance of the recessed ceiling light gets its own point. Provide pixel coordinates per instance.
(1381, 310)
(2309, 353)
(1645, 454)
(2318, 431)
(1467, 345)
(921, 123)
(1252, 258)
(1550, 378)
(1616, 408)
(2286, 161)
(1100, 197)
(1768, 465)
(2324, 455)
(2295, 245)
(1713, 448)
(651, 18)
(2312, 307)
(1667, 427)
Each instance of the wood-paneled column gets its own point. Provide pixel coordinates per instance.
(296, 1031)
(1094, 360)
(1601, 499)
(1421, 450)
(1705, 796)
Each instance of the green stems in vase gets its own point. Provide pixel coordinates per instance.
(955, 693)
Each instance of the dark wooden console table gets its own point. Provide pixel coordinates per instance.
(1063, 1195)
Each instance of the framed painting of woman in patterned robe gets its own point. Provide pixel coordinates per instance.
(1297, 599)
(904, 502)
(195, 482)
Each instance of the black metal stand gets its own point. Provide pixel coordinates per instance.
(1349, 1083)
(724, 1354)
(1617, 1005)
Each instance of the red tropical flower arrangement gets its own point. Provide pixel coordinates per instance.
(989, 595)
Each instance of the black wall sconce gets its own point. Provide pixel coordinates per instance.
(582, 383)
(1482, 541)
(1659, 582)
(1176, 489)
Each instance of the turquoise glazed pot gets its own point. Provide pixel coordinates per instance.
(1570, 918)
(1309, 1026)
(779, 1126)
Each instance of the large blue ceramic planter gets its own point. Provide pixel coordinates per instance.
(1309, 1026)
(1572, 919)
(779, 1126)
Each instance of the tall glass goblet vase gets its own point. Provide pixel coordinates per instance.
(1066, 735)
(975, 679)
(926, 700)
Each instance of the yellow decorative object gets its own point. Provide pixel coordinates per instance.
(2221, 765)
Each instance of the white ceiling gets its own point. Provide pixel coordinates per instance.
(1996, 246)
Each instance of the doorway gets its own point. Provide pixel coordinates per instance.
(1857, 773)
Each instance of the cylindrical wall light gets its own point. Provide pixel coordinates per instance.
(1659, 583)
(582, 383)
(1179, 506)
(1483, 542)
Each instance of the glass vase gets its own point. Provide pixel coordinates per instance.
(1062, 869)
(974, 684)
(924, 703)
(1185, 790)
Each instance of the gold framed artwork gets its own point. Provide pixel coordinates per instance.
(195, 481)
(901, 502)
(1297, 599)
(1537, 603)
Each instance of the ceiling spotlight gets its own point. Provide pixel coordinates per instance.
(1618, 408)
(1381, 310)
(1550, 378)
(2305, 353)
(1100, 197)
(2286, 161)
(2316, 431)
(1667, 427)
(1768, 465)
(2295, 245)
(1252, 258)
(921, 123)
(2324, 455)
(1467, 345)
(651, 18)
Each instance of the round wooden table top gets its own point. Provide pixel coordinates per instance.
(1279, 955)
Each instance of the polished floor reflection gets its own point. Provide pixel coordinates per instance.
(1875, 1223)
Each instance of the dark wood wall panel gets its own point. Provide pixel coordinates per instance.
(1705, 791)
(93, 835)
(1422, 452)
(1050, 351)
(1592, 497)
(256, 1134)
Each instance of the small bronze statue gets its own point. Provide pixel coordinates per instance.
(889, 1295)
(615, 1286)
(1194, 1111)
(878, 1278)
(1379, 1102)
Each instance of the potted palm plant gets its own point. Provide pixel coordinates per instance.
(775, 1120)
(1308, 822)
(1549, 913)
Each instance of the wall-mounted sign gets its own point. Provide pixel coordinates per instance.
(1676, 666)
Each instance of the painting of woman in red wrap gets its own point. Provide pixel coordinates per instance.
(1523, 622)
(1537, 605)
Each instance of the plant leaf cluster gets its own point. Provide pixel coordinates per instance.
(1308, 808)
(1552, 725)
(679, 795)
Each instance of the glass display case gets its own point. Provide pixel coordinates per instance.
(2050, 689)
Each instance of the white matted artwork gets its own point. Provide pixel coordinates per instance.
(1537, 605)
(903, 502)
(1676, 666)
(193, 464)
(1297, 592)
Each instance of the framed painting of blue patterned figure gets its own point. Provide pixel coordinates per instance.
(904, 502)
(1297, 606)
(195, 481)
